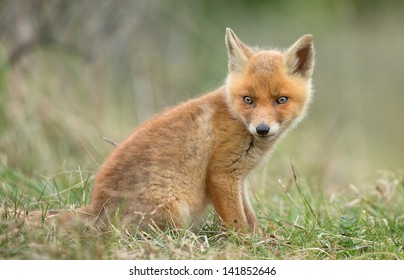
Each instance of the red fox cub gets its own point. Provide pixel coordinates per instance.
(199, 152)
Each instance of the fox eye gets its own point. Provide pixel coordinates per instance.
(248, 100)
(282, 100)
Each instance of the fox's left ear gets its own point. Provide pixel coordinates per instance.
(300, 57)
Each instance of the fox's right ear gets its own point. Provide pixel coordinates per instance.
(300, 57)
(237, 52)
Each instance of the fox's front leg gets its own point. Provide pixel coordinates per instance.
(249, 213)
(226, 193)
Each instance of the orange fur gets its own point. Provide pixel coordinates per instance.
(199, 152)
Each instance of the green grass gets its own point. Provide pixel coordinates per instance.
(301, 222)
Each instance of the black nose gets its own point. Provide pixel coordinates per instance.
(262, 129)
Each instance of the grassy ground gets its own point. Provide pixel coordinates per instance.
(301, 222)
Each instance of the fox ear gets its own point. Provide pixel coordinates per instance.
(237, 52)
(300, 57)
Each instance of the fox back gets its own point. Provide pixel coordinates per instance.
(199, 152)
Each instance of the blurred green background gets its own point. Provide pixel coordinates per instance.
(73, 72)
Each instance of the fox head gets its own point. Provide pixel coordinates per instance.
(268, 90)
